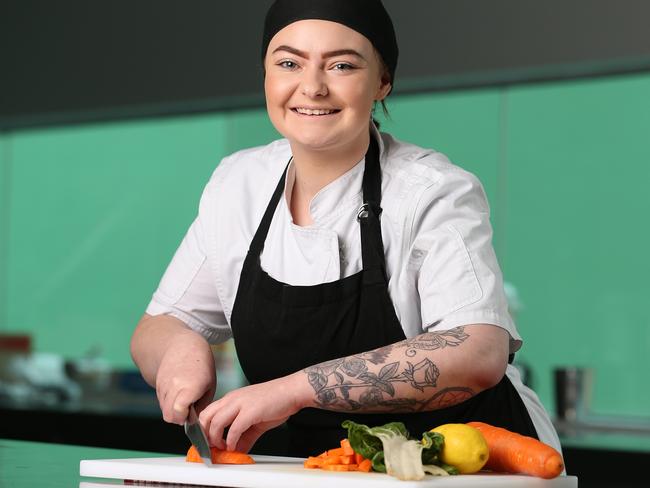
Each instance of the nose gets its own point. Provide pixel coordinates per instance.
(313, 83)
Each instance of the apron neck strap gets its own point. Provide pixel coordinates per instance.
(372, 248)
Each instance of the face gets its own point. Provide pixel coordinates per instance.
(320, 84)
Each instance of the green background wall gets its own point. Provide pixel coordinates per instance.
(90, 216)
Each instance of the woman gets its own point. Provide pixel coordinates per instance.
(354, 271)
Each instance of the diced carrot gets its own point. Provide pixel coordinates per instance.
(313, 462)
(347, 448)
(365, 466)
(332, 460)
(347, 460)
(339, 459)
(337, 467)
(336, 452)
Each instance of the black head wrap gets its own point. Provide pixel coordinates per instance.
(368, 17)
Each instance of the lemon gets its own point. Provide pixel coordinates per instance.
(464, 447)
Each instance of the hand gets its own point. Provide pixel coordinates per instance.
(186, 375)
(252, 410)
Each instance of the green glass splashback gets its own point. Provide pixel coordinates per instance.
(92, 214)
(577, 232)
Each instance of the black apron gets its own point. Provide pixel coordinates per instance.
(279, 329)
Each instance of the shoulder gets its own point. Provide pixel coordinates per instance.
(248, 172)
(423, 176)
(256, 162)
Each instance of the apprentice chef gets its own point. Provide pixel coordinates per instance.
(354, 271)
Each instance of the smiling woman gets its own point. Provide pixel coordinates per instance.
(355, 272)
(322, 80)
(333, 77)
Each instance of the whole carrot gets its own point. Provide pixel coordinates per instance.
(511, 452)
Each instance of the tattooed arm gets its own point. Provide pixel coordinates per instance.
(427, 372)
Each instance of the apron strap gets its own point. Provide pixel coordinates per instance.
(257, 244)
(372, 246)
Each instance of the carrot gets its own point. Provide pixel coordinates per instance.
(313, 462)
(339, 459)
(339, 451)
(511, 452)
(347, 448)
(347, 460)
(332, 460)
(365, 466)
(219, 456)
(340, 467)
(193, 455)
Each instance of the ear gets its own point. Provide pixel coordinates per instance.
(384, 89)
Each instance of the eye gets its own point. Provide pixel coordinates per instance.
(287, 64)
(343, 66)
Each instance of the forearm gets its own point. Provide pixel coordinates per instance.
(428, 372)
(152, 338)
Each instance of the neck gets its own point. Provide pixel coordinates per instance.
(317, 169)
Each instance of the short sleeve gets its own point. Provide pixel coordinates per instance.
(188, 288)
(459, 280)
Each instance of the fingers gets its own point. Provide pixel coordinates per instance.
(249, 438)
(240, 425)
(215, 418)
(175, 403)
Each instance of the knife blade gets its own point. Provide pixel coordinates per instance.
(197, 437)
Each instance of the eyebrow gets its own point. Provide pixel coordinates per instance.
(328, 54)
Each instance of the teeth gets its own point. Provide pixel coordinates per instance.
(308, 111)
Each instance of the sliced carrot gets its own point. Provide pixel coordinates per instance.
(358, 458)
(230, 457)
(219, 456)
(365, 466)
(510, 452)
(193, 455)
(347, 448)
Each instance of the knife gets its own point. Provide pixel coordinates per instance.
(197, 436)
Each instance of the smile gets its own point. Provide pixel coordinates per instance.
(309, 111)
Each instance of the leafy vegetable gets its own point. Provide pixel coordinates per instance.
(432, 442)
(365, 440)
(392, 450)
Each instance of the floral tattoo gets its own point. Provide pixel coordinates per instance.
(366, 381)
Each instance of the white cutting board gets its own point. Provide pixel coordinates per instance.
(284, 472)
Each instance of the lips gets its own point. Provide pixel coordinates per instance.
(315, 112)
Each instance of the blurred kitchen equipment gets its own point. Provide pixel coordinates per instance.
(91, 371)
(573, 386)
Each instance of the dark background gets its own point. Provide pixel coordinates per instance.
(83, 60)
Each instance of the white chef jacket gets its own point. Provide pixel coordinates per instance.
(441, 266)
